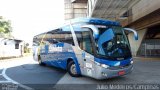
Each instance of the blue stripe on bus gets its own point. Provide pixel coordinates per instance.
(62, 61)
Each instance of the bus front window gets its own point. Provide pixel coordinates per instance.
(113, 43)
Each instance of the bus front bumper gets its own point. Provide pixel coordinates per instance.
(104, 73)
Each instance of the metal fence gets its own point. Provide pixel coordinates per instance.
(149, 49)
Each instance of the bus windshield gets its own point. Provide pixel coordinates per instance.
(112, 43)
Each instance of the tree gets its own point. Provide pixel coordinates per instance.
(5, 26)
(26, 48)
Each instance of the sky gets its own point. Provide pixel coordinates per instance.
(31, 17)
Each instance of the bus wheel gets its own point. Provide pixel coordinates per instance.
(71, 68)
(40, 61)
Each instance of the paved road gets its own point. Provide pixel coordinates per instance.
(27, 74)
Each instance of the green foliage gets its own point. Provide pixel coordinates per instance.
(5, 26)
(26, 49)
(2, 29)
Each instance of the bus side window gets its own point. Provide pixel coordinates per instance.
(36, 41)
(60, 35)
(67, 35)
(52, 36)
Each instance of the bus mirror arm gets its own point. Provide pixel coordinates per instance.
(134, 31)
(94, 29)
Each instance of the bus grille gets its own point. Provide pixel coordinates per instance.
(118, 67)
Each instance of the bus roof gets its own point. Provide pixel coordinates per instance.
(94, 21)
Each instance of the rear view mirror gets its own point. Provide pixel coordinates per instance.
(134, 31)
(94, 29)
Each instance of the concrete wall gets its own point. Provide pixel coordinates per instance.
(136, 44)
(75, 10)
(143, 8)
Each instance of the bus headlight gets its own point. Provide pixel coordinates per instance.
(117, 64)
(131, 61)
(104, 66)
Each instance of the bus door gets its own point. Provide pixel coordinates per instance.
(87, 53)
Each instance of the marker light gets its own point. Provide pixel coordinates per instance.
(97, 63)
(131, 61)
(104, 66)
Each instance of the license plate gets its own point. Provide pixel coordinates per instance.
(121, 73)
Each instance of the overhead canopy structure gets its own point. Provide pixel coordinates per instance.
(110, 9)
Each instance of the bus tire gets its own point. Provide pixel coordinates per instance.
(71, 68)
(40, 61)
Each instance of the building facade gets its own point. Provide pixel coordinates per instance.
(74, 9)
(11, 48)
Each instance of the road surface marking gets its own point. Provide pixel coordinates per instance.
(5, 81)
(14, 82)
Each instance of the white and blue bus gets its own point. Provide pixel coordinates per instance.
(86, 46)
